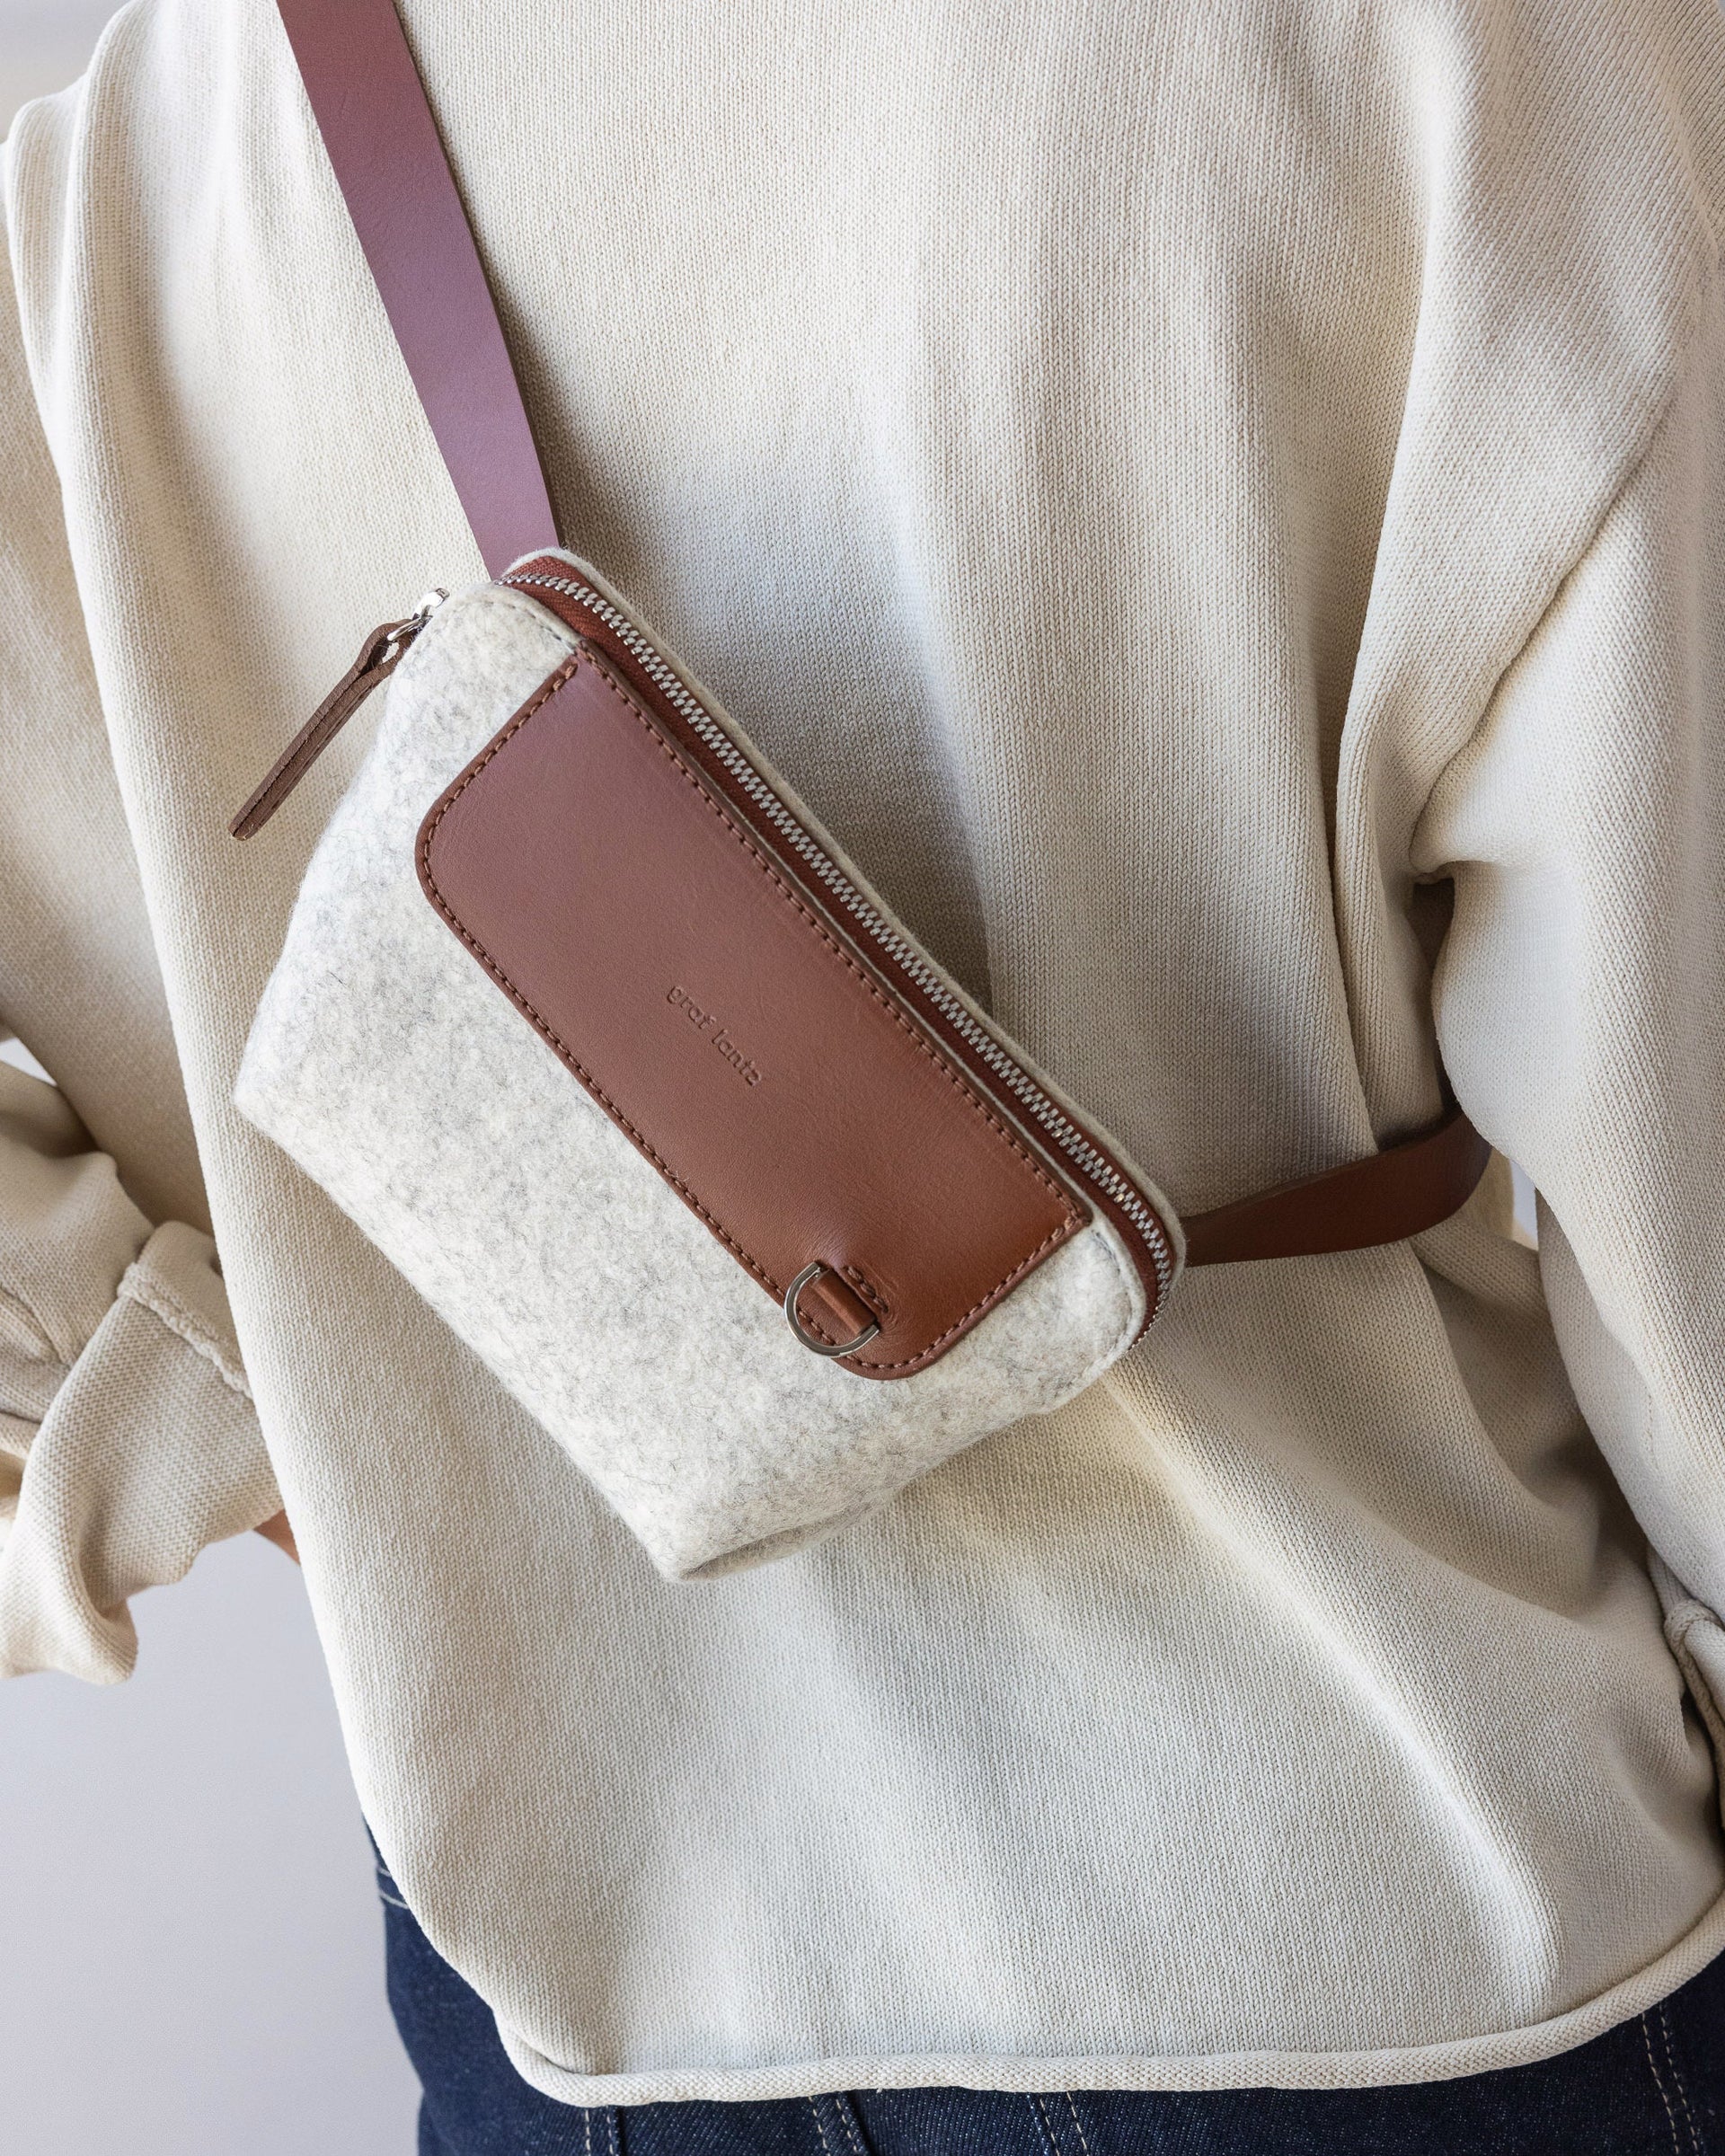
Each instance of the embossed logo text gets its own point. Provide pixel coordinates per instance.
(707, 1024)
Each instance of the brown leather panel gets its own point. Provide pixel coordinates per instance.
(797, 871)
(1386, 1198)
(722, 1025)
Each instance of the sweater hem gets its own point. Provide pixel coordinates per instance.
(1026, 2075)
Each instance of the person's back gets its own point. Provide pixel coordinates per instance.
(1174, 488)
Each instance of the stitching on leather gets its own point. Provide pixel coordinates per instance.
(788, 891)
(915, 1362)
(542, 1025)
(868, 1292)
(428, 877)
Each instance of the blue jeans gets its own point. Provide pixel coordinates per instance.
(1653, 2086)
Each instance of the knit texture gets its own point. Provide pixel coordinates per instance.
(1219, 511)
(128, 1436)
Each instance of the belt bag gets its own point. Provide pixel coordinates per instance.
(607, 1046)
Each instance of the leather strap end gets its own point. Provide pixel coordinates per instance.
(1386, 1198)
(379, 656)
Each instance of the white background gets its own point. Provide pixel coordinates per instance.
(190, 1948)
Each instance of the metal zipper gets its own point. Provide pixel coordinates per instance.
(1058, 1126)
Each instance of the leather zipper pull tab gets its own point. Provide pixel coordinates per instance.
(379, 655)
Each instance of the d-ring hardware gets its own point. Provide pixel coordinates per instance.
(815, 1347)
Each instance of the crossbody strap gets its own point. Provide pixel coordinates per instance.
(389, 160)
(383, 142)
(1385, 1197)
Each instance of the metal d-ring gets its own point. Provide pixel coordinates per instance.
(815, 1347)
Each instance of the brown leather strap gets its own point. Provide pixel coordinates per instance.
(371, 108)
(1386, 1198)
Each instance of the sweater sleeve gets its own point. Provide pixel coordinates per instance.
(128, 1436)
(1580, 995)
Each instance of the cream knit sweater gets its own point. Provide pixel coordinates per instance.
(1172, 485)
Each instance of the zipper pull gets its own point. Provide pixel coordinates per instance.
(379, 655)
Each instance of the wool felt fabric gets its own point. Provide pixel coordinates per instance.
(387, 1063)
(1220, 512)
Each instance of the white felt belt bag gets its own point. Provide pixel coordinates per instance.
(605, 1043)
